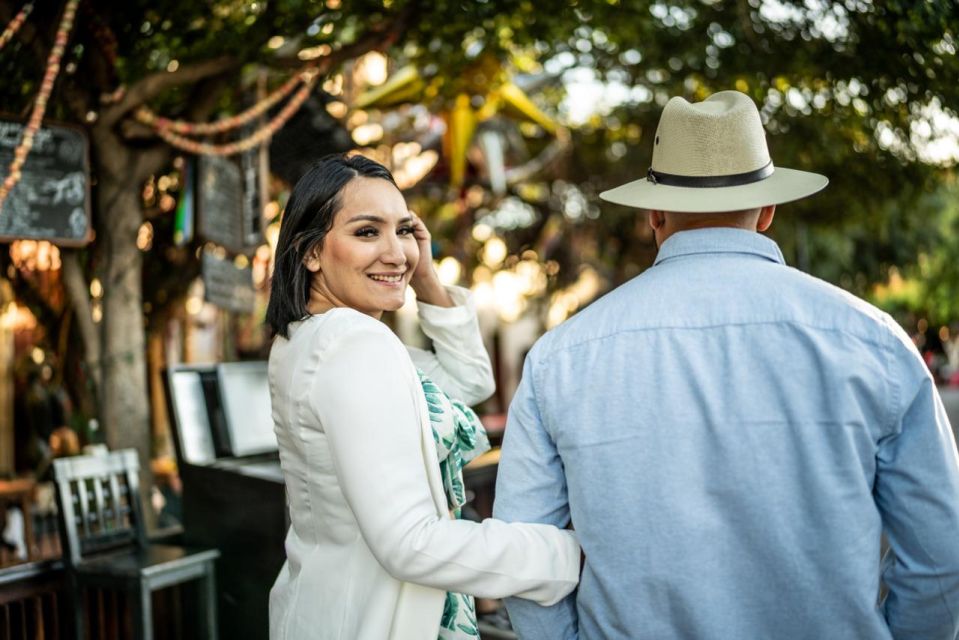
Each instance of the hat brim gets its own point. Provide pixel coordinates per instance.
(784, 185)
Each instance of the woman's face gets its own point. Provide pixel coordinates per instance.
(368, 256)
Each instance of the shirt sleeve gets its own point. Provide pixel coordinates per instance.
(917, 493)
(531, 487)
(460, 364)
(367, 405)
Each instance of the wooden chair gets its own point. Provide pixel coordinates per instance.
(105, 544)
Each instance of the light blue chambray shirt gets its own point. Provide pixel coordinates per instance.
(730, 437)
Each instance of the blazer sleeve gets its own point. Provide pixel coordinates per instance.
(460, 364)
(365, 398)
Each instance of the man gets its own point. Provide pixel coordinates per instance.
(729, 436)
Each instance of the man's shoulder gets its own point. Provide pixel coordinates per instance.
(595, 321)
(780, 294)
(824, 300)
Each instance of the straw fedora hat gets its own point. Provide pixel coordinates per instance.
(712, 156)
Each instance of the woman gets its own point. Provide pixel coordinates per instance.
(371, 446)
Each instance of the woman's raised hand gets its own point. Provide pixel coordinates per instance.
(425, 282)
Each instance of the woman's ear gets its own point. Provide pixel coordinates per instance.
(312, 260)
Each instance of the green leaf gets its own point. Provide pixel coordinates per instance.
(449, 611)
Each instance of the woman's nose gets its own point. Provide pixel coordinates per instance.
(393, 251)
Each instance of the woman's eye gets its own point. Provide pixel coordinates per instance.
(366, 232)
(404, 231)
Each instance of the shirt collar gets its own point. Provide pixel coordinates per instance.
(719, 240)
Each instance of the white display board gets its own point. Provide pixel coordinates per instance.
(245, 398)
(196, 439)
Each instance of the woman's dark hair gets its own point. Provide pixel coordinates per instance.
(307, 219)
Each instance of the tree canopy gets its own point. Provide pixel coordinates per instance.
(854, 89)
(848, 88)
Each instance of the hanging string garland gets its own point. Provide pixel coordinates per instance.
(15, 24)
(40, 106)
(245, 144)
(172, 131)
(146, 116)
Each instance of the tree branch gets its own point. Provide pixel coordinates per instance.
(156, 83)
(201, 103)
(150, 162)
(133, 130)
(378, 38)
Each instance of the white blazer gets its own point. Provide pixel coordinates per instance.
(371, 548)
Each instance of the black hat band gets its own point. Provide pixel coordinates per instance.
(708, 182)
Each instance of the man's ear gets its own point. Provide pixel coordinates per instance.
(766, 217)
(656, 219)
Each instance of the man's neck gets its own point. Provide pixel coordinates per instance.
(691, 225)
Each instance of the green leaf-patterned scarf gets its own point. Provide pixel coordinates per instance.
(460, 437)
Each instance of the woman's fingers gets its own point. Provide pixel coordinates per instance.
(419, 227)
(424, 267)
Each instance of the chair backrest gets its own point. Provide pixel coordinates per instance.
(99, 503)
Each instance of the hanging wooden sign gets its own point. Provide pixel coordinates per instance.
(52, 199)
(226, 285)
(220, 198)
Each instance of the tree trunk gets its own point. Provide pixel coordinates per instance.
(124, 396)
(125, 407)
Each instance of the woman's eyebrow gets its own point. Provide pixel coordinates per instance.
(368, 217)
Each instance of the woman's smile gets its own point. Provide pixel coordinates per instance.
(387, 279)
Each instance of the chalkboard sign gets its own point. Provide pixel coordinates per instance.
(220, 193)
(226, 285)
(52, 199)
